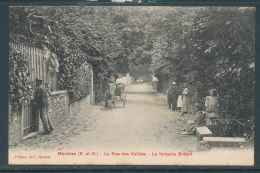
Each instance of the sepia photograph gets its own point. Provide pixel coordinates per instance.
(131, 85)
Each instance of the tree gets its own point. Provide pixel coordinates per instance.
(75, 34)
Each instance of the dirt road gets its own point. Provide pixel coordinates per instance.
(145, 122)
(144, 125)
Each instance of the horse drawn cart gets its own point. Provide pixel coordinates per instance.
(115, 93)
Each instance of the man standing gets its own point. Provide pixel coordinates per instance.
(41, 100)
(172, 96)
(169, 94)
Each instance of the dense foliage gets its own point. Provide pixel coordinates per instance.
(210, 48)
(76, 35)
(20, 84)
(207, 47)
(225, 57)
(80, 86)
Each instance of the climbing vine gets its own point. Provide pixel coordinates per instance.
(20, 83)
(82, 82)
(75, 76)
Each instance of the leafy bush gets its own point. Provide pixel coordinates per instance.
(82, 82)
(75, 76)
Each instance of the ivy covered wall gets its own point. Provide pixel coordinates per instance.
(20, 83)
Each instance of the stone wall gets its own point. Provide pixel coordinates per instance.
(58, 112)
(58, 107)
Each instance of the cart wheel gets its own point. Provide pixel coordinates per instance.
(123, 97)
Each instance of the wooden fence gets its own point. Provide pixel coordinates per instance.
(36, 58)
(38, 71)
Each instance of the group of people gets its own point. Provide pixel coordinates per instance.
(178, 97)
(179, 100)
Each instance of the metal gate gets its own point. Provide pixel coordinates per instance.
(27, 119)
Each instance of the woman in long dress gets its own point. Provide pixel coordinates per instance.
(185, 99)
(179, 100)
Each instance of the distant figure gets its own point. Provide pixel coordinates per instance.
(168, 95)
(172, 96)
(211, 105)
(185, 99)
(179, 100)
(110, 93)
(139, 80)
(41, 101)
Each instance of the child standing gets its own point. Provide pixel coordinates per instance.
(211, 105)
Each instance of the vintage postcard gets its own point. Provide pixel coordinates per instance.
(131, 85)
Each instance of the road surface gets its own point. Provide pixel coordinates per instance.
(145, 122)
(145, 125)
